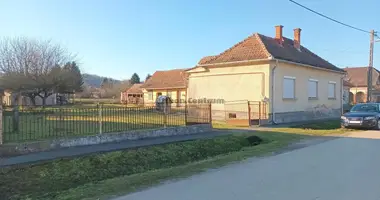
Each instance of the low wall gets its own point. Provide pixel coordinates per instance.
(301, 116)
(7, 150)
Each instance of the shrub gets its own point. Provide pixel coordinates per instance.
(254, 140)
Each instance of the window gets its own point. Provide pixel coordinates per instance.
(332, 89)
(288, 90)
(313, 89)
(150, 95)
(169, 94)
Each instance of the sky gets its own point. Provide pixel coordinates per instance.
(116, 38)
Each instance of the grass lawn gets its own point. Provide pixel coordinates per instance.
(117, 173)
(40, 124)
(106, 175)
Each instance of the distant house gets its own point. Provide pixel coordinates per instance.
(294, 83)
(346, 92)
(10, 99)
(358, 78)
(171, 83)
(134, 95)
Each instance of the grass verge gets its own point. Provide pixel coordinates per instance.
(102, 176)
(322, 128)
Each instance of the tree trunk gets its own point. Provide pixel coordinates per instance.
(44, 101)
(33, 100)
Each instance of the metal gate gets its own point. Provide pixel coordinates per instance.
(258, 112)
(246, 113)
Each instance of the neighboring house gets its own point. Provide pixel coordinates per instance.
(134, 95)
(9, 99)
(171, 83)
(294, 82)
(358, 77)
(346, 92)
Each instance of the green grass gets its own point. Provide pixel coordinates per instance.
(116, 173)
(38, 124)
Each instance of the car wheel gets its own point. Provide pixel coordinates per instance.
(378, 125)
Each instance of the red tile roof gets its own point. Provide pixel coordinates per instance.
(258, 46)
(357, 76)
(176, 78)
(206, 59)
(135, 89)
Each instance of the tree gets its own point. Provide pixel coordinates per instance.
(31, 67)
(135, 79)
(148, 77)
(71, 79)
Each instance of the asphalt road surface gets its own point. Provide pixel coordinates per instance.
(345, 168)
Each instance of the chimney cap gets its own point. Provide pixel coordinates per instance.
(279, 26)
(297, 29)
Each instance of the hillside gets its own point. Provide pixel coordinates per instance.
(95, 80)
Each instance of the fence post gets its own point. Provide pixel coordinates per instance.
(16, 118)
(100, 118)
(210, 114)
(165, 116)
(249, 114)
(260, 113)
(1, 125)
(186, 114)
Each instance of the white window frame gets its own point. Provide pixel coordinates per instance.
(150, 95)
(284, 95)
(328, 90)
(316, 89)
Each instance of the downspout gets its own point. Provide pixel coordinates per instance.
(273, 92)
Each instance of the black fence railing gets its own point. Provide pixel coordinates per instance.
(37, 123)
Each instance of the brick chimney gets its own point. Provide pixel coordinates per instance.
(297, 38)
(279, 33)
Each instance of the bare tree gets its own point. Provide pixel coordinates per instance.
(31, 67)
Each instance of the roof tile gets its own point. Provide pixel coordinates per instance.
(258, 46)
(357, 76)
(176, 78)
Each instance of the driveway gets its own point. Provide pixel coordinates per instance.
(344, 168)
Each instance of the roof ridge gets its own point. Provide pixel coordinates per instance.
(229, 49)
(258, 36)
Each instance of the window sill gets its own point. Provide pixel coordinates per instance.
(331, 98)
(289, 99)
(313, 98)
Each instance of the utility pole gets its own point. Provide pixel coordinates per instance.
(370, 67)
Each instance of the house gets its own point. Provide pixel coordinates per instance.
(9, 99)
(171, 83)
(294, 83)
(358, 78)
(347, 98)
(134, 95)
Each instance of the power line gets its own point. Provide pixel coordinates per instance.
(334, 20)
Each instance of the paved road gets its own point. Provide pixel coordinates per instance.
(345, 168)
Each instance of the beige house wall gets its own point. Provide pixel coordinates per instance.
(175, 94)
(302, 74)
(254, 83)
(234, 83)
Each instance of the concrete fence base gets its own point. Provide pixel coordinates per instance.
(7, 150)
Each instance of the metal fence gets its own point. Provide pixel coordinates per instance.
(26, 123)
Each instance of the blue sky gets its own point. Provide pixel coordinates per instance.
(116, 38)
